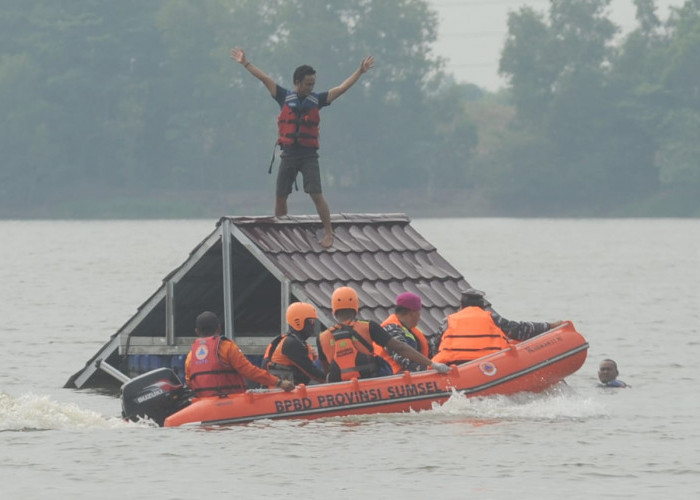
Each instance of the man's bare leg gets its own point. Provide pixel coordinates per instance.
(325, 214)
(281, 206)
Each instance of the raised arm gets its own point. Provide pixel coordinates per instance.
(238, 55)
(366, 64)
(522, 330)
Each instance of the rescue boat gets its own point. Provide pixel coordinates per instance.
(529, 366)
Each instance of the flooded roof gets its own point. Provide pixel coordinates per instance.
(248, 269)
(379, 255)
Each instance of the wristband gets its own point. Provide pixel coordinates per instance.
(247, 63)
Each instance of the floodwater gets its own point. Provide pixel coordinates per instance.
(629, 286)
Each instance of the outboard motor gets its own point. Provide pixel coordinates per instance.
(155, 395)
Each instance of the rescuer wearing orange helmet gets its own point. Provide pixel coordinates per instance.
(289, 356)
(346, 348)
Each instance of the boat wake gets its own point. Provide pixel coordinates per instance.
(559, 403)
(31, 412)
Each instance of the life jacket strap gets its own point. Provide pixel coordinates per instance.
(281, 371)
(348, 332)
(272, 161)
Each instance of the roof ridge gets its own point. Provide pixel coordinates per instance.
(341, 218)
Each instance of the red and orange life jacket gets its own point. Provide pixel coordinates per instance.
(299, 121)
(470, 334)
(209, 376)
(420, 341)
(348, 350)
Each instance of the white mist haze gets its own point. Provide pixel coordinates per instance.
(472, 33)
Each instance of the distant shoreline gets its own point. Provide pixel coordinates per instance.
(413, 202)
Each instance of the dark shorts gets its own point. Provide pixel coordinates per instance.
(290, 167)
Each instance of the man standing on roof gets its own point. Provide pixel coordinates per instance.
(403, 326)
(289, 356)
(476, 330)
(215, 365)
(298, 125)
(346, 348)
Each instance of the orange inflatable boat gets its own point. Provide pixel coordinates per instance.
(532, 366)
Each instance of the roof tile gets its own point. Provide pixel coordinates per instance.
(338, 272)
(287, 265)
(362, 239)
(380, 255)
(376, 236)
(311, 266)
(393, 264)
(410, 238)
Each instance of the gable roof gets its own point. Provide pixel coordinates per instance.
(248, 270)
(379, 255)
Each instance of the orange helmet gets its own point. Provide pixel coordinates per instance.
(344, 298)
(298, 313)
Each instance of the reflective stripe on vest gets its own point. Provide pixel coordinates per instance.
(470, 334)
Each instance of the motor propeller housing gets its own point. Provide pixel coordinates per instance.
(155, 395)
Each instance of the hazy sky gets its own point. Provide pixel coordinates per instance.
(472, 33)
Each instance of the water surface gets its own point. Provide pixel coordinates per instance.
(630, 286)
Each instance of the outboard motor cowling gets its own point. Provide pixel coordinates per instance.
(155, 395)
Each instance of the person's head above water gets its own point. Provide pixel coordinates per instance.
(607, 371)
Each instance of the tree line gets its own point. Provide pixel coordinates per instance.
(134, 108)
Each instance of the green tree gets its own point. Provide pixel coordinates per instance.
(85, 103)
(560, 73)
(139, 99)
(377, 130)
(24, 128)
(678, 159)
(448, 160)
(657, 74)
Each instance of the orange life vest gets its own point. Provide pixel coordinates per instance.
(298, 121)
(415, 332)
(209, 376)
(281, 359)
(348, 349)
(470, 334)
(280, 364)
(271, 347)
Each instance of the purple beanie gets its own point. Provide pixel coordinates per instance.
(409, 300)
